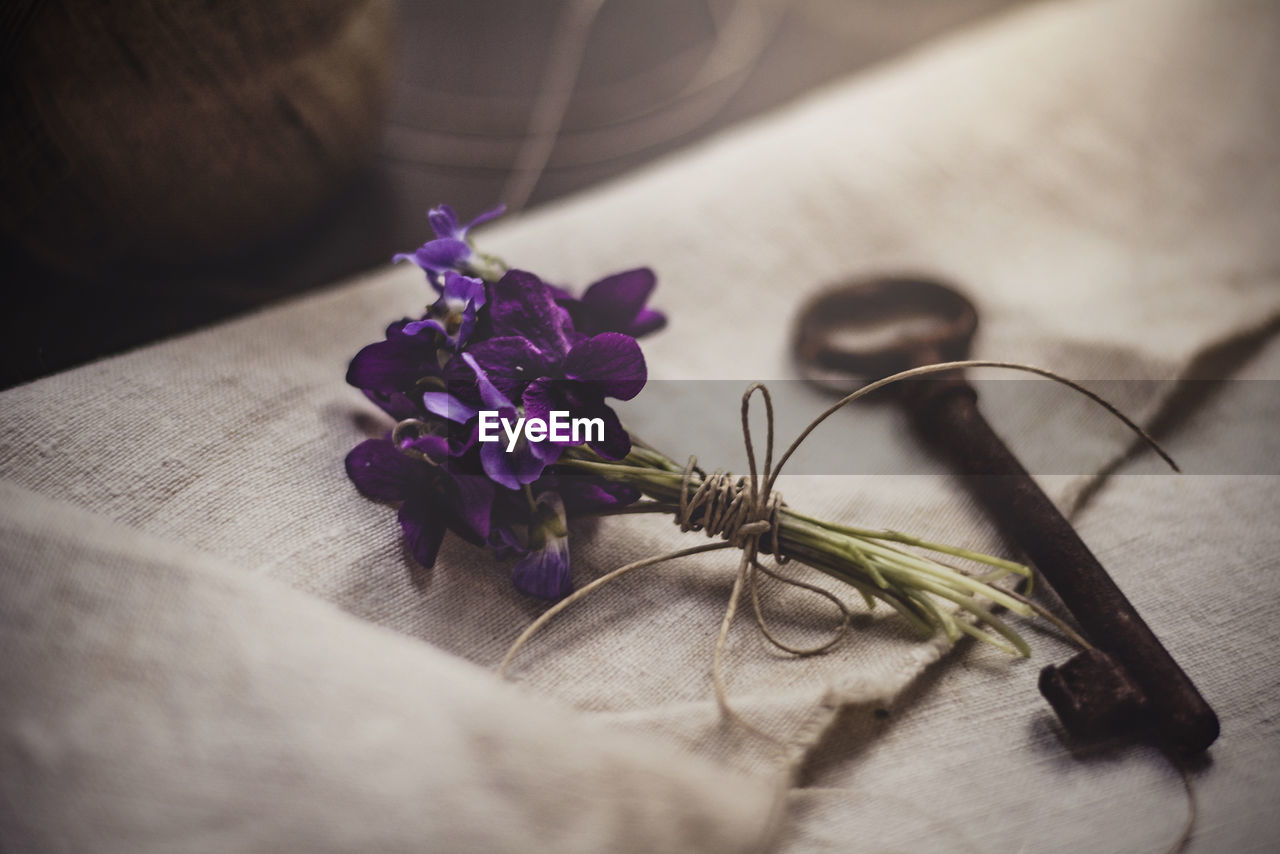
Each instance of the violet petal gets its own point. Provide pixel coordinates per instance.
(381, 472)
(440, 255)
(395, 364)
(466, 326)
(614, 301)
(545, 573)
(463, 288)
(523, 306)
(396, 404)
(583, 493)
(610, 362)
(543, 395)
(463, 438)
(434, 448)
(447, 406)
(547, 451)
(426, 323)
(514, 469)
(617, 443)
(505, 543)
(443, 221)
(489, 394)
(646, 321)
(510, 363)
(539, 400)
(423, 529)
(490, 214)
(475, 503)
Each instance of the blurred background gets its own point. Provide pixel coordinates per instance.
(170, 163)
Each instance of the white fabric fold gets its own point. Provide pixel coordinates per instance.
(156, 699)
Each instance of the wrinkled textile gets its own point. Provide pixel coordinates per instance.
(1100, 177)
(186, 705)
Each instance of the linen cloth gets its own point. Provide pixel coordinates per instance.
(1100, 177)
(182, 705)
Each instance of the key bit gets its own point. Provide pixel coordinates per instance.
(1093, 696)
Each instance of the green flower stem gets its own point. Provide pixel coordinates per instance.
(869, 561)
(906, 539)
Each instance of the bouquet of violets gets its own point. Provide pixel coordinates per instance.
(500, 345)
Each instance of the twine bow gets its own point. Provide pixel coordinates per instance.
(740, 511)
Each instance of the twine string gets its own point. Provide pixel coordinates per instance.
(741, 510)
(550, 614)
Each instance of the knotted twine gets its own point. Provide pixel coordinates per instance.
(742, 510)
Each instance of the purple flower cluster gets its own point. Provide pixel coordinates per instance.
(499, 341)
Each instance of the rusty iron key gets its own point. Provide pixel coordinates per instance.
(1129, 682)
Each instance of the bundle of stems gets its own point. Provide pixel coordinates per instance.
(872, 562)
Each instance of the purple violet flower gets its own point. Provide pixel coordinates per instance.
(585, 494)
(451, 250)
(616, 304)
(501, 341)
(606, 365)
(432, 499)
(544, 570)
(453, 315)
(534, 358)
(513, 468)
(524, 306)
(389, 372)
(444, 222)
